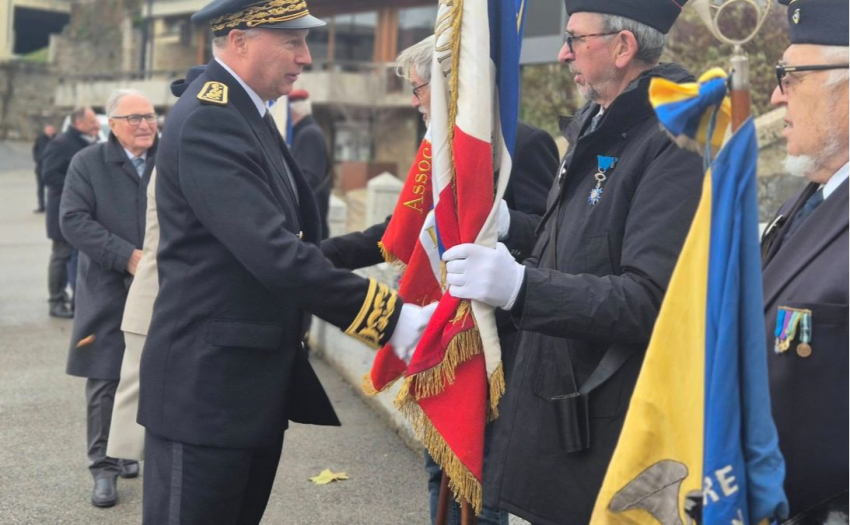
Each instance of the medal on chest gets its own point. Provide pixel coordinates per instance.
(790, 322)
(605, 165)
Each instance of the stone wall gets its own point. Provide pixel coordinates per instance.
(774, 185)
(26, 100)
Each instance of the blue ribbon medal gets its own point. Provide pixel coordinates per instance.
(790, 321)
(604, 164)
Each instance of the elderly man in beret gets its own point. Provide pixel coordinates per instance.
(587, 299)
(806, 261)
(311, 153)
(223, 370)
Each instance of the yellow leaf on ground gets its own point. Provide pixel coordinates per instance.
(326, 476)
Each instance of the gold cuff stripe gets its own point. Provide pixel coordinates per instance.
(371, 322)
(267, 13)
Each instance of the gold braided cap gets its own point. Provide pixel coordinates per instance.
(262, 14)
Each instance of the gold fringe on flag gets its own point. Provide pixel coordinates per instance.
(369, 388)
(497, 390)
(390, 258)
(462, 482)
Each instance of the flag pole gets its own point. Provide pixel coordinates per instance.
(740, 88)
(467, 515)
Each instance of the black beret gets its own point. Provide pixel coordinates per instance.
(821, 22)
(224, 15)
(658, 14)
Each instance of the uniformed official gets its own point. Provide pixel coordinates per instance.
(806, 261)
(587, 299)
(222, 369)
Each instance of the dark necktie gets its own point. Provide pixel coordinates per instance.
(267, 118)
(814, 201)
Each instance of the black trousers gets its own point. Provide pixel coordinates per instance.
(188, 484)
(100, 398)
(57, 274)
(40, 187)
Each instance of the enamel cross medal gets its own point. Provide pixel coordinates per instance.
(605, 164)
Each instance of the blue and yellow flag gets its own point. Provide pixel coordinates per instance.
(698, 444)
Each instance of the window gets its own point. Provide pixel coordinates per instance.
(415, 24)
(354, 36)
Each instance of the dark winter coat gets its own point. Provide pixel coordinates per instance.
(311, 154)
(594, 282)
(808, 269)
(54, 166)
(102, 215)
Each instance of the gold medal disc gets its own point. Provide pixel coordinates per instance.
(804, 350)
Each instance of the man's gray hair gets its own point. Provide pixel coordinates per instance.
(116, 96)
(650, 41)
(220, 42)
(303, 107)
(836, 55)
(417, 57)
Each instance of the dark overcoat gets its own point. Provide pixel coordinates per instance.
(240, 272)
(594, 282)
(103, 216)
(311, 153)
(54, 166)
(38, 147)
(808, 270)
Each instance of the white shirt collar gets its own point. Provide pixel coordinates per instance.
(836, 180)
(131, 156)
(255, 98)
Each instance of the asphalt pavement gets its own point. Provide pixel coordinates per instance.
(43, 468)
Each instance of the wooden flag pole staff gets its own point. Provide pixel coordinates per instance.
(467, 516)
(740, 88)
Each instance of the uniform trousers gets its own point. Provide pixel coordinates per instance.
(100, 395)
(188, 484)
(57, 274)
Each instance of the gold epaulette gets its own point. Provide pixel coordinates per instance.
(371, 323)
(214, 93)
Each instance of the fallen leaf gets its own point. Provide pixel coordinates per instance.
(326, 476)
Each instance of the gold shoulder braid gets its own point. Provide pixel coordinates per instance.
(267, 13)
(370, 324)
(214, 92)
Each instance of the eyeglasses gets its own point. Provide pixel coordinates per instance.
(569, 38)
(135, 120)
(417, 88)
(782, 72)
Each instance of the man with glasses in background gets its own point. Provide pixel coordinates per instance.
(587, 299)
(805, 263)
(103, 215)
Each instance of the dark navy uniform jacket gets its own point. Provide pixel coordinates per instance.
(223, 364)
(808, 270)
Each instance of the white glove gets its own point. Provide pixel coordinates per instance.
(408, 330)
(488, 275)
(504, 220)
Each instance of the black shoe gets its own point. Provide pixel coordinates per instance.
(61, 310)
(129, 470)
(105, 492)
(40, 210)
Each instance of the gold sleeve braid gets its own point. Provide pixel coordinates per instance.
(371, 322)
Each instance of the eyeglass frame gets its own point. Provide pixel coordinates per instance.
(150, 118)
(569, 38)
(416, 89)
(782, 71)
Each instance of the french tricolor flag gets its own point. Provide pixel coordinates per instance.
(455, 379)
